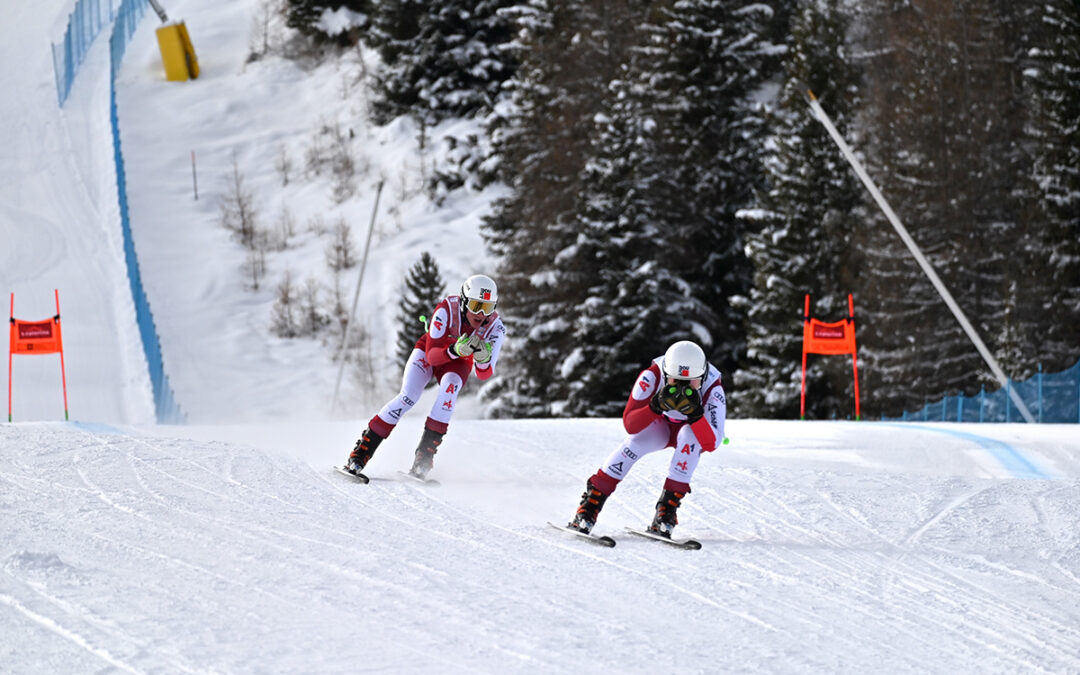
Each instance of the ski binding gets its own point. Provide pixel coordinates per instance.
(601, 540)
(689, 544)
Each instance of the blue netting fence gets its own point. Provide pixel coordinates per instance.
(166, 407)
(86, 21)
(84, 24)
(1051, 398)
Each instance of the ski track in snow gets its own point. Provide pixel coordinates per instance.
(144, 553)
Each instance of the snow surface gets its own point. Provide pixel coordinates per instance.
(230, 545)
(827, 547)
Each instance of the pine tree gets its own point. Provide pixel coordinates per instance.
(634, 306)
(304, 15)
(442, 58)
(709, 59)
(944, 122)
(674, 160)
(568, 52)
(424, 289)
(1054, 80)
(806, 227)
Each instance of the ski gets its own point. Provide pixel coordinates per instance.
(602, 541)
(689, 544)
(354, 477)
(409, 478)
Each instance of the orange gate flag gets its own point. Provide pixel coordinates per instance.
(829, 338)
(37, 337)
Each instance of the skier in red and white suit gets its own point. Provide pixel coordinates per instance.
(677, 402)
(464, 333)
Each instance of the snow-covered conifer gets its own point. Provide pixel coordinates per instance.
(424, 288)
(804, 227)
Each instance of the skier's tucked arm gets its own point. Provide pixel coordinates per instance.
(489, 354)
(638, 414)
(709, 428)
(439, 342)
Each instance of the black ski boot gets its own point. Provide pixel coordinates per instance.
(362, 452)
(665, 519)
(592, 500)
(425, 453)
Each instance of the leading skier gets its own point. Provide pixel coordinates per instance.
(464, 333)
(678, 401)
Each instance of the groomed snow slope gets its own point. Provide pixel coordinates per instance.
(827, 547)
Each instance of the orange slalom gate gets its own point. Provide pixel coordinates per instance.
(829, 338)
(37, 337)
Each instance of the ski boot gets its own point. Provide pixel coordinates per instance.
(362, 452)
(592, 500)
(665, 519)
(425, 453)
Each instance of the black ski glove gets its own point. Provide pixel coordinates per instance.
(691, 406)
(655, 404)
(667, 397)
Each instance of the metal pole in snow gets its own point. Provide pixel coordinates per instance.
(63, 374)
(917, 253)
(356, 297)
(11, 350)
(194, 178)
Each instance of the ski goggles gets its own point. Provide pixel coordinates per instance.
(675, 383)
(485, 307)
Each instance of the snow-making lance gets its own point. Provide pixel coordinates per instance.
(356, 297)
(917, 253)
(159, 10)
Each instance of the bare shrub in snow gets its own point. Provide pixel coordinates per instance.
(283, 321)
(284, 230)
(341, 253)
(255, 265)
(312, 318)
(284, 165)
(238, 212)
(342, 163)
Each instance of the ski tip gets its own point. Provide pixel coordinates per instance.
(594, 538)
(415, 479)
(354, 477)
(689, 544)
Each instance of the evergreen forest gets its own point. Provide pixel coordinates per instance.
(667, 180)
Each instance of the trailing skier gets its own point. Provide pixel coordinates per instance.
(464, 333)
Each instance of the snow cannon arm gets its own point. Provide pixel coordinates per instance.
(159, 10)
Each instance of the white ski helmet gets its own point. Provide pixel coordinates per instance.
(684, 360)
(479, 294)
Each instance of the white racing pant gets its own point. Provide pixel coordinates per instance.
(657, 436)
(418, 372)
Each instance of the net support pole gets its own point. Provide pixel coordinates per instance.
(918, 255)
(63, 373)
(11, 351)
(854, 358)
(802, 393)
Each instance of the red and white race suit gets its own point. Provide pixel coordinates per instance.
(649, 432)
(433, 356)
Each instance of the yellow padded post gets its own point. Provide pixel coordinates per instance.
(177, 52)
